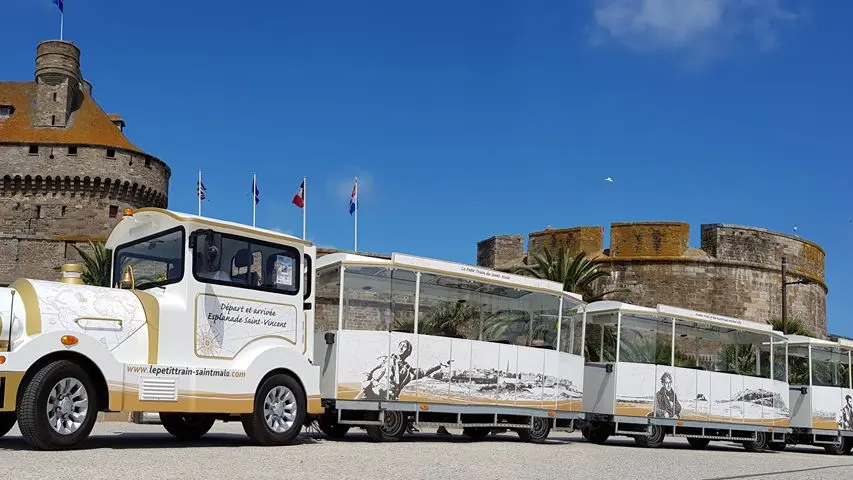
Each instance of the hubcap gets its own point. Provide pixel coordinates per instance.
(393, 422)
(540, 427)
(67, 406)
(280, 409)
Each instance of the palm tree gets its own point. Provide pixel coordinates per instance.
(94, 263)
(448, 319)
(578, 274)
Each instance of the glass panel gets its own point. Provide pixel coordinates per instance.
(450, 309)
(688, 341)
(571, 332)
(827, 367)
(155, 261)
(780, 363)
(248, 263)
(743, 354)
(367, 298)
(403, 283)
(327, 298)
(798, 365)
(646, 339)
(600, 337)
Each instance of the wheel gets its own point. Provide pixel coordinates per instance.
(7, 421)
(392, 429)
(698, 443)
(476, 433)
(761, 443)
(329, 425)
(777, 446)
(841, 446)
(187, 426)
(538, 433)
(279, 412)
(58, 407)
(596, 433)
(653, 439)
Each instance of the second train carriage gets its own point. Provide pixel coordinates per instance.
(418, 342)
(654, 372)
(821, 397)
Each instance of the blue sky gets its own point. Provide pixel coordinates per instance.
(468, 119)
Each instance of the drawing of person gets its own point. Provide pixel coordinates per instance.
(846, 422)
(391, 375)
(666, 401)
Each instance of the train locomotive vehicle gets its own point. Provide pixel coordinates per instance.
(409, 343)
(211, 321)
(821, 397)
(654, 372)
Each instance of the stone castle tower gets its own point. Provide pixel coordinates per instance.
(736, 271)
(67, 172)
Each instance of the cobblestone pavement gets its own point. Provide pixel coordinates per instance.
(127, 451)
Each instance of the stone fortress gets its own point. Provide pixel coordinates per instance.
(67, 171)
(735, 272)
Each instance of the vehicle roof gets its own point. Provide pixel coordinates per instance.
(819, 342)
(401, 260)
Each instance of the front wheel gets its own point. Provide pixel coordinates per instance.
(652, 439)
(58, 407)
(761, 443)
(394, 425)
(596, 432)
(7, 421)
(538, 433)
(279, 412)
(187, 426)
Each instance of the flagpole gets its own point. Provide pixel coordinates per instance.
(304, 206)
(198, 192)
(356, 215)
(61, 23)
(254, 200)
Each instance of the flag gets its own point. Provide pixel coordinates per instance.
(60, 4)
(201, 190)
(353, 199)
(299, 198)
(257, 192)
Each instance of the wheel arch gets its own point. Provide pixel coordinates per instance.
(90, 367)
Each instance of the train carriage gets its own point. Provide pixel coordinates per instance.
(670, 371)
(413, 342)
(821, 397)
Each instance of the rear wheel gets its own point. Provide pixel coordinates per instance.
(761, 443)
(652, 439)
(698, 443)
(392, 429)
(476, 433)
(596, 432)
(279, 412)
(58, 407)
(841, 446)
(538, 433)
(329, 425)
(7, 421)
(187, 426)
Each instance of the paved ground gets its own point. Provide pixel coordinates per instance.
(128, 451)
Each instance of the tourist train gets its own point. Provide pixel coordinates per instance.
(200, 320)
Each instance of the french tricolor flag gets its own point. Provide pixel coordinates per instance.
(353, 199)
(299, 198)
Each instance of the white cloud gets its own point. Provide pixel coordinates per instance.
(701, 28)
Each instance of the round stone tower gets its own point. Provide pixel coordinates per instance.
(68, 170)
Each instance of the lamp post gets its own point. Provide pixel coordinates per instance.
(785, 284)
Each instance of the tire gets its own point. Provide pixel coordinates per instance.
(187, 426)
(7, 421)
(392, 430)
(777, 446)
(476, 433)
(840, 447)
(329, 425)
(596, 433)
(698, 443)
(653, 439)
(280, 408)
(65, 389)
(761, 443)
(537, 434)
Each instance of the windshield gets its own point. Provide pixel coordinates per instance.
(156, 260)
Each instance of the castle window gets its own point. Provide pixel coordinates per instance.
(113, 211)
(53, 119)
(6, 111)
(111, 153)
(72, 150)
(34, 149)
(62, 212)
(54, 96)
(148, 162)
(38, 211)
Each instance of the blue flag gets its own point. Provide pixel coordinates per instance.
(353, 199)
(60, 4)
(257, 192)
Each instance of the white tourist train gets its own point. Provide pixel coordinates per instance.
(202, 320)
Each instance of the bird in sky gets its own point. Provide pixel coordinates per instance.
(608, 180)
